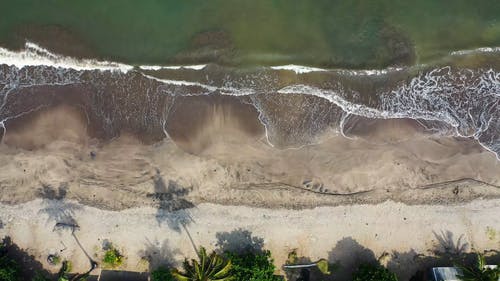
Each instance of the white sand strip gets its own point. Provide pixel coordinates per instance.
(387, 227)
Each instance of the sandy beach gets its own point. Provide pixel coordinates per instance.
(349, 165)
(409, 237)
(388, 188)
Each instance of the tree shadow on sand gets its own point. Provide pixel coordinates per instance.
(28, 263)
(62, 213)
(158, 254)
(348, 254)
(410, 265)
(448, 245)
(239, 241)
(56, 207)
(448, 250)
(173, 207)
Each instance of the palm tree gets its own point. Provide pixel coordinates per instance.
(479, 272)
(209, 268)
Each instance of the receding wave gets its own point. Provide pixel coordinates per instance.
(296, 104)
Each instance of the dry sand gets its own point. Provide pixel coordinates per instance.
(345, 234)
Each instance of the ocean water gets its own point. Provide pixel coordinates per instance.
(308, 68)
(324, 33)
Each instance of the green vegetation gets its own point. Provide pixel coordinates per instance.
(63, 272)
(162, 274)
(253, 266)
(208, 268)
(233, 265)
(112, 257)
(293, 262)
(369, 272)
(479, 272)
(9, 269)
(56, 260)
(40, 277)
(491, 233)
(62, 275)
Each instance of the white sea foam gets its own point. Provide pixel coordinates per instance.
(34, 55)
(4, 130)
(173, 67)
(368, 72)
(299, 69)
(432, 96)
(183, 83)
(475, 51)
(224, 90)
(335, 98)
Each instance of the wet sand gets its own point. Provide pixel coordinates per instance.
(218, 152)
(347, 198)
(197, 122)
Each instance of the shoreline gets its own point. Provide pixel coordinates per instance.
(367, 232)
(120, 98)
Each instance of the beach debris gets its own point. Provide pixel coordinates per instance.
(64, 225)
(53, 259)
(321, 264)
(307, 183)
(314, 185)
(64, 247)
(106, 244)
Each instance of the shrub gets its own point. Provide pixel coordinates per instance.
(63, 272)
(253, 266)
(40, 277)
(54, 259)
(369, 272)
(9, 269)
(479, 271)
(112, 257)
(162, 274)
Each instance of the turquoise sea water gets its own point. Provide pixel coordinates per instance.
(329, 33)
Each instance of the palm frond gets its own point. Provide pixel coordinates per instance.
(479, 272)
(209, 268)
(180, 276)
(480, 261)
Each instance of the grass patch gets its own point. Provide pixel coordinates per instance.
(112, 258)
(491, 233)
